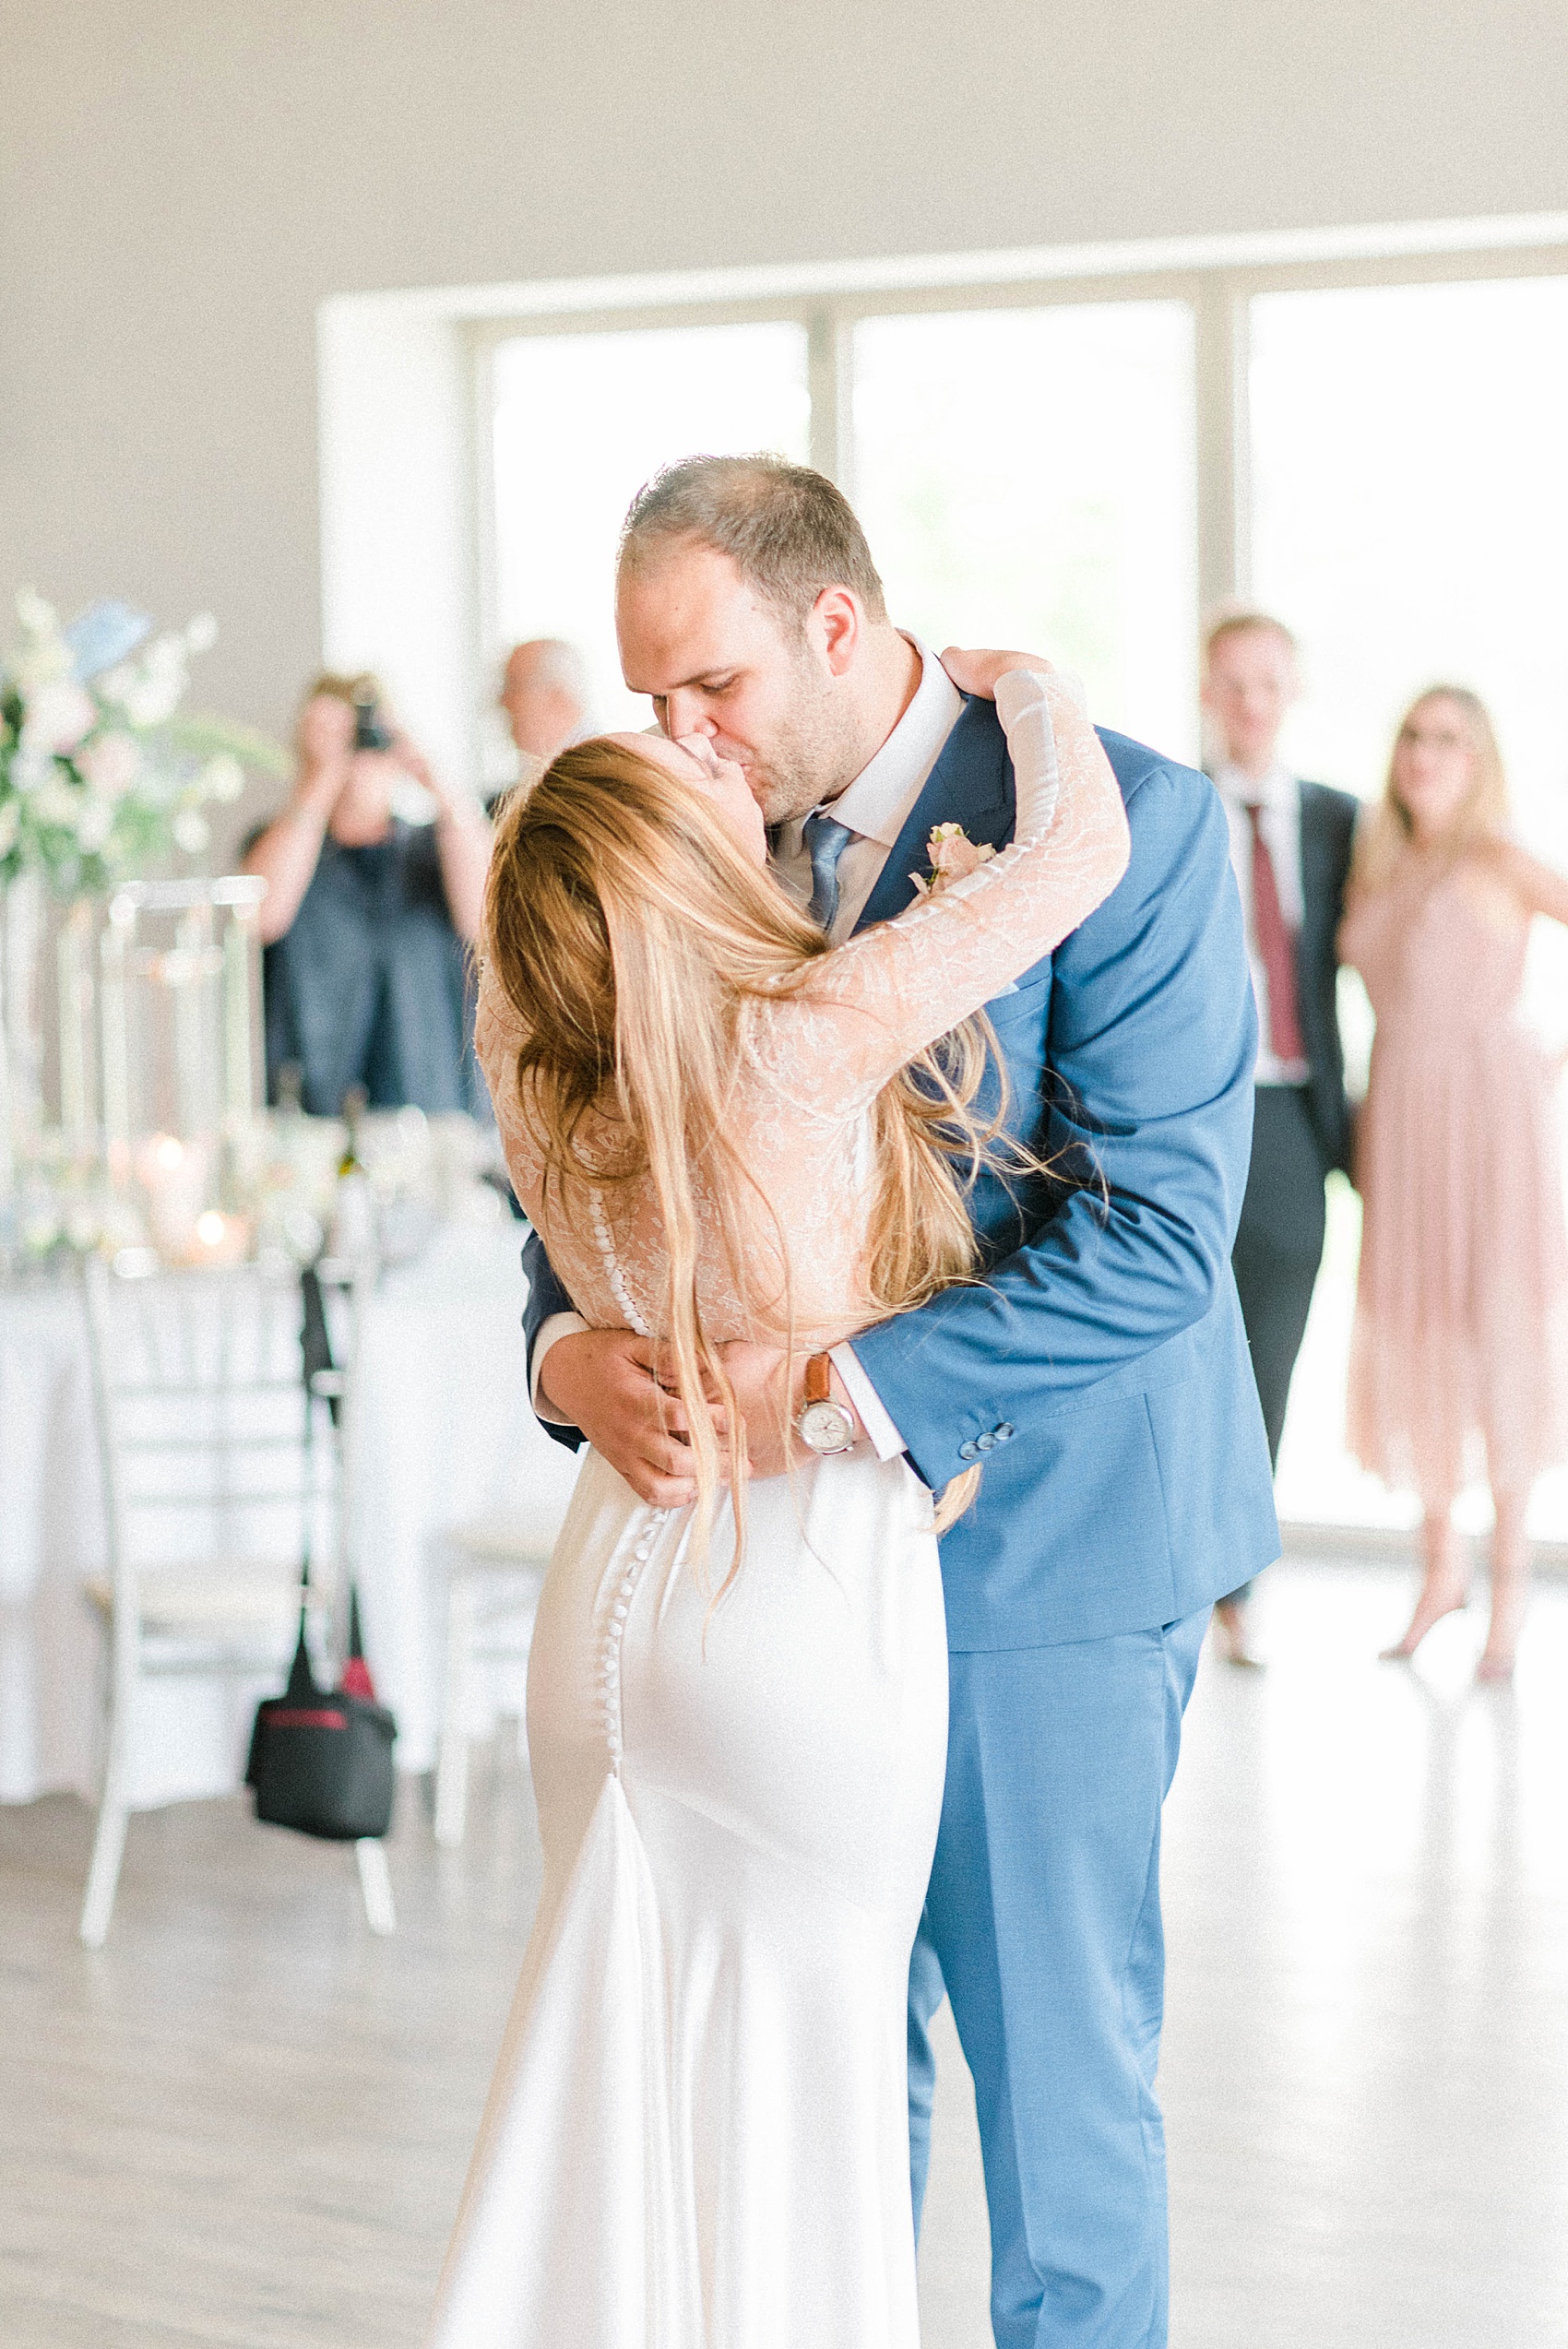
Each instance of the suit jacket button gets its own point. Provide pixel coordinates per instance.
(985, 1444)
(1004, 1431)
(968, 1452)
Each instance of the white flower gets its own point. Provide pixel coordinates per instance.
(57, 802)
(39, 618)
(222, 779)
(32, 767)
(111, 764)
(95, 821)
(201, 634)
(192, 831)
(10, 823)
(57, 714)
(44, 656)
(150, 688)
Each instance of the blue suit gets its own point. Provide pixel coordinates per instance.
(1100, 1371)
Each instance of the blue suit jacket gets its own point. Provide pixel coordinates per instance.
(1100, 1369)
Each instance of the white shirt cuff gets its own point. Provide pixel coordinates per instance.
(883, 1437)
(557, 1326)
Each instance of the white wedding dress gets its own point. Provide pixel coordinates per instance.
(697, 2135)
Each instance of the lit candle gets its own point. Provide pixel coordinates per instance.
(218, 1238)
(175, 1181)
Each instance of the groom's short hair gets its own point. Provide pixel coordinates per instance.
(789, 532)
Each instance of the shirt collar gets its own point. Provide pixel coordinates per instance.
(1277, 790)
(876, 803)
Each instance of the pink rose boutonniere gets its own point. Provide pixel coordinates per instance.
(953, 855)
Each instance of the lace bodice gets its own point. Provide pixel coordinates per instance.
(814, 1061)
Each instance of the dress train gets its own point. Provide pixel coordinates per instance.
(698, 2133)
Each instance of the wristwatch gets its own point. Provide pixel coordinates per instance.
(823, 1426)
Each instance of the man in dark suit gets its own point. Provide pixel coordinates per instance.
(1290, 848)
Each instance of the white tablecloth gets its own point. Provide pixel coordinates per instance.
(446, 1437)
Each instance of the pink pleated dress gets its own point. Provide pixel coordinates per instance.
(1459, 1357)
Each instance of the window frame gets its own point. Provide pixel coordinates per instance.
(1218, 293)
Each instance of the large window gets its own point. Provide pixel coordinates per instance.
(581, 420)
(1409, 482)
(1081, 466)
(1026, 478)
(1037, 473)
(1409, 463)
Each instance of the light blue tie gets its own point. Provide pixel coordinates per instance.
(826, 839)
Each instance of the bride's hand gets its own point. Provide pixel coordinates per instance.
(977, 672)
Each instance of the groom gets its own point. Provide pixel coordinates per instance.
(1101, 1374)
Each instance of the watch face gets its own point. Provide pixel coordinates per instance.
(825, 1427)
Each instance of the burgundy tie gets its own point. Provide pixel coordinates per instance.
(1276, 949)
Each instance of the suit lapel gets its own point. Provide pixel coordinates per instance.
(971, 784)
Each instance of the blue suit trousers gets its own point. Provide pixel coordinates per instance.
(1042, 1924)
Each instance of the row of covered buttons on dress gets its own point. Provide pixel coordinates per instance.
(977, 1446)
(615, 1631)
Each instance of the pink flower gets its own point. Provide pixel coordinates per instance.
(952, 855)
(111, 765)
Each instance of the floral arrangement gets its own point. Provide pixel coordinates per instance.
(101, 776)
(953, 855)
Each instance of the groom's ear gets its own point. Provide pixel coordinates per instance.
(835, 626)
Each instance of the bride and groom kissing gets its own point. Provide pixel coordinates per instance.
(882, 1181)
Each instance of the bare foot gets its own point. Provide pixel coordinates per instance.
(1230, 1635)
(1510, 1588)
(1441, 1593)
(1502, 1632)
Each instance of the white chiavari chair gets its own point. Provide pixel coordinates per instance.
(210, 1476)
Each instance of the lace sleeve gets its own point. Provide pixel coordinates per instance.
(871, 1003)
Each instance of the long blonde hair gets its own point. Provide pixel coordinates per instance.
(630, 934)
(1484, 815)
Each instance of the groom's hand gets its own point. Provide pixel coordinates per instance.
(606, 1383)
(978, 672)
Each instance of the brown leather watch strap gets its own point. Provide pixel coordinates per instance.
(819, 1380)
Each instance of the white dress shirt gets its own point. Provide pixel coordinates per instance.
(1278, 795)
(876, 806)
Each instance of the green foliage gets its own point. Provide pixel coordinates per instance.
(207, 737)
(104, 780)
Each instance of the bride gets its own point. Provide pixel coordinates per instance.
(725, 1130)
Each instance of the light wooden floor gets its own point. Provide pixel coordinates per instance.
(245, 2121)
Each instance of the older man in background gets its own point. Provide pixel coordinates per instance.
(544, 695)
(1290, 848)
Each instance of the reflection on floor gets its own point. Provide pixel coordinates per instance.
(1366, 2061)
(245, 2122)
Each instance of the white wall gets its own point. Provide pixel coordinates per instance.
(182, 184)
(395, 477)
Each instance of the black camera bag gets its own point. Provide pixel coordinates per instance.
(321, 1759)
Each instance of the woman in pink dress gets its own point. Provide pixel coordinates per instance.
(1461, 1333)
